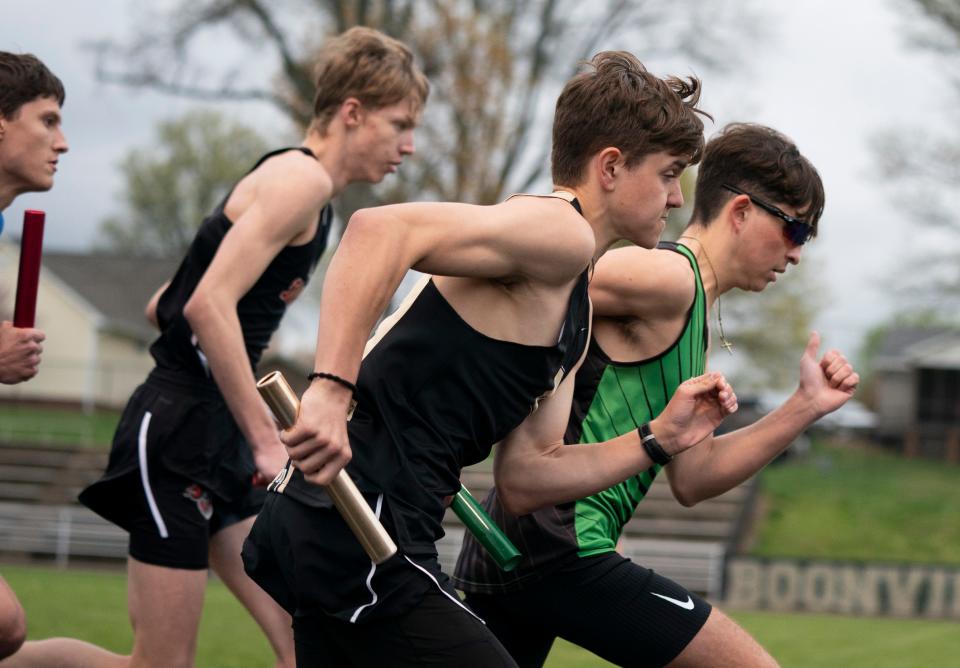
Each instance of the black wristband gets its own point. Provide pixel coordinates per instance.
(651, 446)
(336, 379)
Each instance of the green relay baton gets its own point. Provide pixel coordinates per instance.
(485, 530)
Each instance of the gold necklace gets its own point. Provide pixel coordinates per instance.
(726, 345)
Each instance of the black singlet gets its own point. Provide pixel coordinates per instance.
(259, 310)
(193, 432)
(434, 395)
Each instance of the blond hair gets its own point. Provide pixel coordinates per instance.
(365, 64)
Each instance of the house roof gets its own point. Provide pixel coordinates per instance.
(939, 352)
(899, 339)
(117, 286)
(904, 347)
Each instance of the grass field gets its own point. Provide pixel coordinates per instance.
(853, 502)
(827, 641)
(48, 426)
(92, 606)
(844, 501)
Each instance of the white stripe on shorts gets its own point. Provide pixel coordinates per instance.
(144, 478)
(373, 569)
(442, 590)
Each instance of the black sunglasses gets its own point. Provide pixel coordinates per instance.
(796, 231)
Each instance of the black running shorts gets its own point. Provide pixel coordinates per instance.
(607, 604)
(437, 633)
(173, 458)
(171, 519)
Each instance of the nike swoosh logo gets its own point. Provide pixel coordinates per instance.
(686, 605)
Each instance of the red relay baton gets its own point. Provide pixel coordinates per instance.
(31, 245)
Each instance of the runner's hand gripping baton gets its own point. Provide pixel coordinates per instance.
(31, 244)
(376, 542)
(282, 400)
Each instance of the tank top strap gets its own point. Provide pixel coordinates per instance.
(263, 159)
(565, 195)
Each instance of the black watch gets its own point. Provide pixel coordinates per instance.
(651, 446)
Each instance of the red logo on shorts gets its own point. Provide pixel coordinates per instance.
(291, 293)
(199, 495)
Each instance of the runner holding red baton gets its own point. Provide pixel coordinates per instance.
(31, 248)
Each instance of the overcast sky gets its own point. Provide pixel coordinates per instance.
(829, 74)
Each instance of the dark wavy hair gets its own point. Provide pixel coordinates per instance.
(763, 162)
(617, 102)
(23, 79)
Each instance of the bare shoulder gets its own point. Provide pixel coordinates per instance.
(283, 195)
(641, 282)
(295, 173)
(558, 241)
(528, 239)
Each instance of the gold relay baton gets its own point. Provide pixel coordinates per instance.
(376, 542)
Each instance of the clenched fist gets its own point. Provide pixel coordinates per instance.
(20, 350)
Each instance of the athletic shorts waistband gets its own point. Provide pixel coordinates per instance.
(184, 383)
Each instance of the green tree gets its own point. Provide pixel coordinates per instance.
(172, 185)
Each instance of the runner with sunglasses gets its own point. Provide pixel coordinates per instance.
(796, 230)
(757, 201)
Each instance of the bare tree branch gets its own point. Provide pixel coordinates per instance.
(925, 166)
(492, 63)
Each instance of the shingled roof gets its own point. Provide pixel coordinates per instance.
(900, 344)
(117, 286)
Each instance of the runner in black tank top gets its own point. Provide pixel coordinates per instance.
(196, 436)
(180, 477)
(261, 308)
(433, 396)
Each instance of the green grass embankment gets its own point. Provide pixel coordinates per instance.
(860, 503)
(30, 425)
